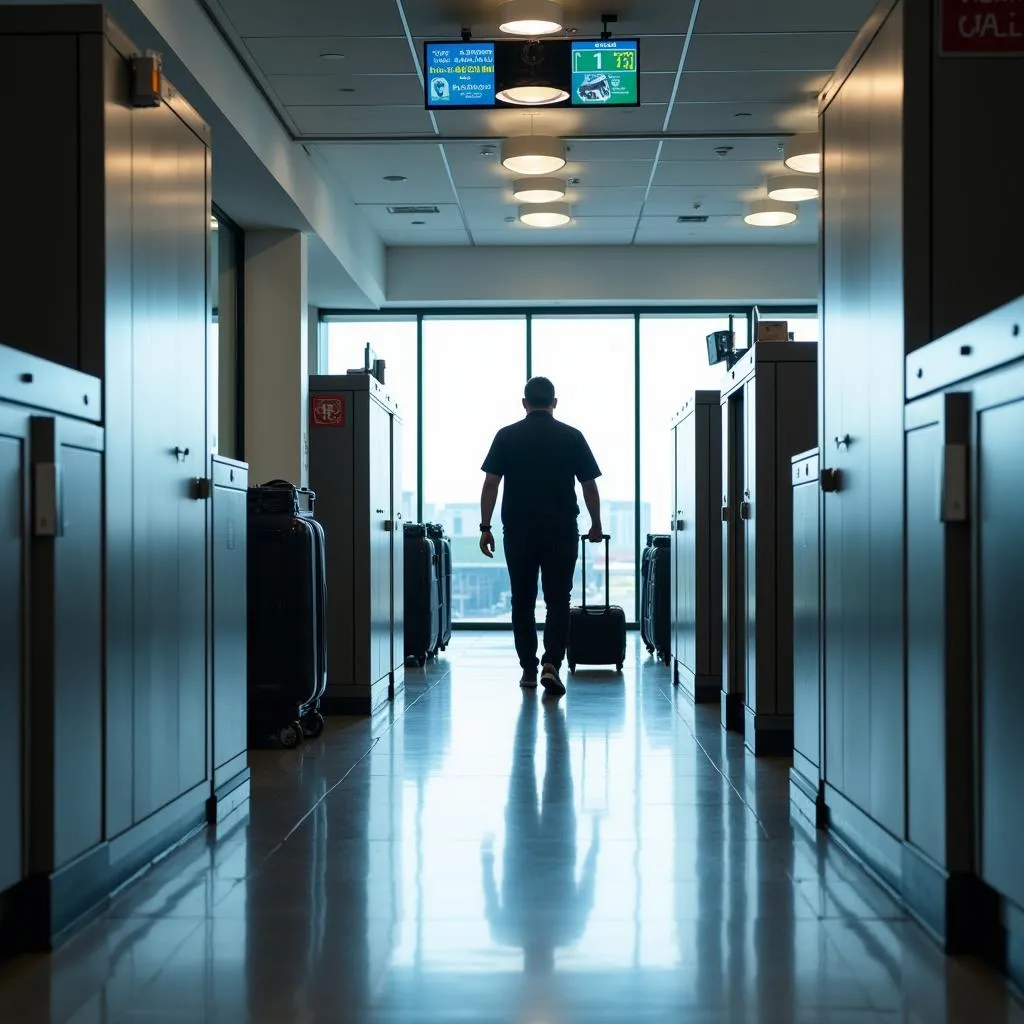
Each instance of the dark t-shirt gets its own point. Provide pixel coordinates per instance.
(541, 459)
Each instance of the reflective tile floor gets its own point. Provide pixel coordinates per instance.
(484, 855)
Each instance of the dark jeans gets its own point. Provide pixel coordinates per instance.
(554, 557)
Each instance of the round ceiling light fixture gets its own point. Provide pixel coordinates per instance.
(533, 94)
(769, 213)
(546, 215)
(533, 154)
(531, 18)
(539, 190)
(792, 188)
(803, 153)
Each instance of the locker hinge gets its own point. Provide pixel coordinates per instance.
(47, 503)
(954, 499)
(202, 488)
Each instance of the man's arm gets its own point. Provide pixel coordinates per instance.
(488, 499)
(593, 502)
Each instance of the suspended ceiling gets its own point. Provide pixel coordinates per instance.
(740, 75)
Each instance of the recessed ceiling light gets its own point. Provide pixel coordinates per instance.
(539, 190)
(533, 154)
(332, 56)
(793, 188)
(546, 215)
(803, 153)
(530, 17)
(768, 213)
(395, 177)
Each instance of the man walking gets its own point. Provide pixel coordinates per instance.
(540, 460)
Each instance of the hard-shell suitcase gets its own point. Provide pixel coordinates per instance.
(655, 595)
(287, 610)
(443, 549)
(422, 594)
(597, 634)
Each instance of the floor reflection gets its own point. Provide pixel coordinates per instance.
(479, 855)
(542, 906)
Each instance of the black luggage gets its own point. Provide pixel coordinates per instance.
(422, 595)
(656, 595)
(287, 613)
(443, 550)
(597, 634)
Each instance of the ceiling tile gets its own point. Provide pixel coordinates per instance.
(704, 149)
(312, 18)
(412, 236)
(721, 231)
(778, 51)
(301, 55)
(790, 15)
(363, 167)
(448, 218)
(764, 86)
(675, 201)
(593, 151)
(366, 121)
(733, 173)
(764, 117)
(369, 90)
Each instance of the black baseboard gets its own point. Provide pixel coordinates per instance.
(363, 700)
(807, 799)
(767, 735)
(228, 798)
(1013, 947)
(877, 849)
(46, 909)
(733, 711)
(701, 689)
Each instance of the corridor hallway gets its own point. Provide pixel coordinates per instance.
(484, 855)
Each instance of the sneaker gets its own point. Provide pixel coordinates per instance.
(550, 681)
(529, 680)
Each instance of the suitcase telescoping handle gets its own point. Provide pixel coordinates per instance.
(607, 538)
(304, 492)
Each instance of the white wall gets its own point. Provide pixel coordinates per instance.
(458, 276)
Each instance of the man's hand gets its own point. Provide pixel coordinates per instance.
(487, 543)
(596, 534)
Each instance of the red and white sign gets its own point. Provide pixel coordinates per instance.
(328, 410)
(982, 28)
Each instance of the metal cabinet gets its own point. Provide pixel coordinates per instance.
(769, 414)
(355, 470)
(697, 547)
(805, 776)
(964, 643)
(228, 635)
(51, 629)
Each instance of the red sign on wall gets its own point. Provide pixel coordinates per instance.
(983, 27)
(328, 410)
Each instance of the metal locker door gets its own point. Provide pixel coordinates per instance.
(748, 526)
(380, 558)
(13, 521)
(397, 550)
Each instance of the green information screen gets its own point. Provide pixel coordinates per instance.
(604, 73)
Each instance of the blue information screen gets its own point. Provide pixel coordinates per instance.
(459, 75)
(605, 73)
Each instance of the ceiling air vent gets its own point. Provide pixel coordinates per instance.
(693, 218)
(415, 211)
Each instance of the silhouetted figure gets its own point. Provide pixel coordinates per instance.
(542, 906)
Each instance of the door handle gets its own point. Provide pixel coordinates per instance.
(831, 480)
(745, 512)
(388, 526)
(725, 513)
(680, 525)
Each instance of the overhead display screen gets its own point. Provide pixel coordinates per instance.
(604, 73)
(460, 75)
(591, 72)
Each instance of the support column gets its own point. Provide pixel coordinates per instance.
(276, 357)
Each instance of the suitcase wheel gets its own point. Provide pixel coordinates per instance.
(290, 735)
(313, 725)
(572, 668)
(618, 667)
(650, 649)
(421, 660)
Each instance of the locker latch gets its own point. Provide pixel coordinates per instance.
(388, 526)
(680, 525)
(831, 480)
(48, 505)
(202, 488)
(725, 513)
(745, 512)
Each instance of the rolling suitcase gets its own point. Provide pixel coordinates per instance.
(597, 634)
(655, 595)
(422, 595)
(443, 549)
(287, 597)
